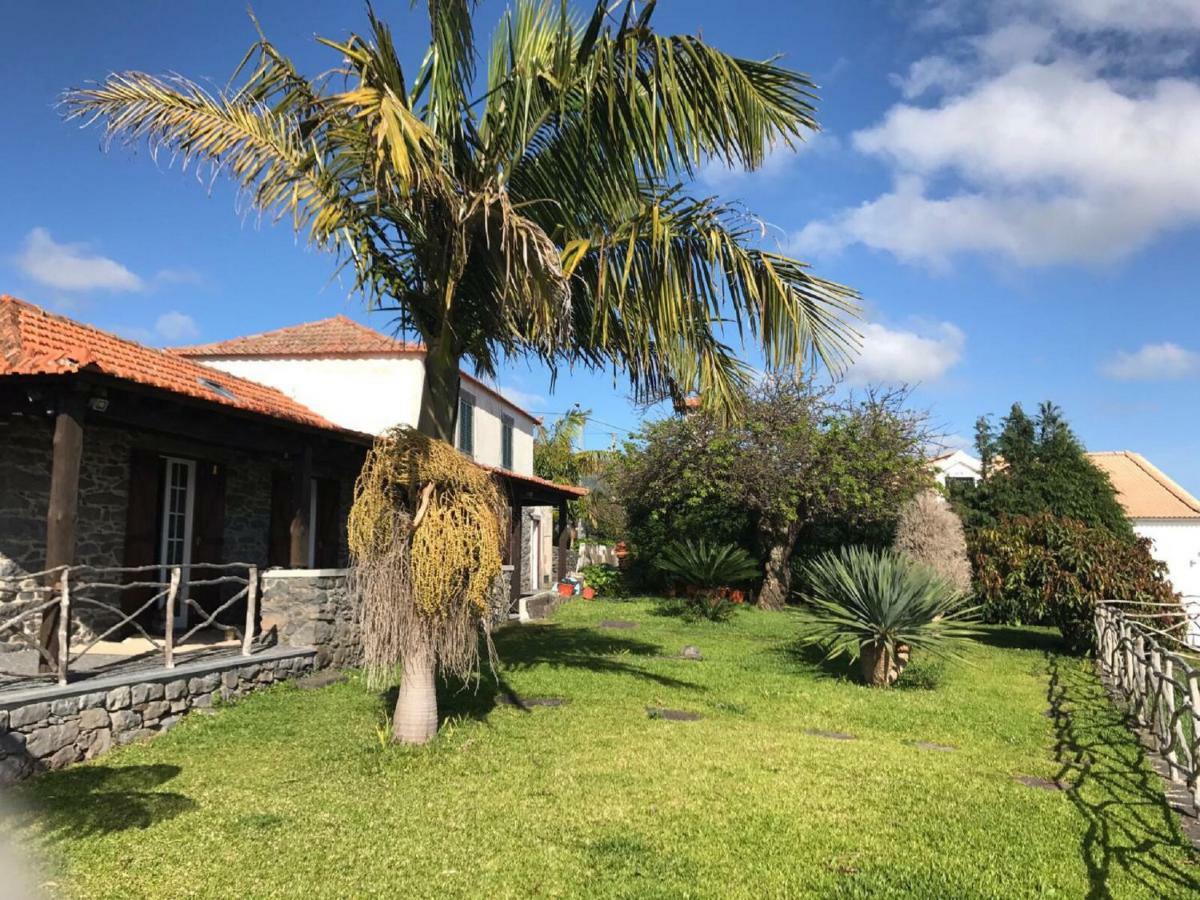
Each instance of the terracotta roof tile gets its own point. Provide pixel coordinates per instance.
(1145, 491)
(337, 336)
(36, 342)
(572, 489)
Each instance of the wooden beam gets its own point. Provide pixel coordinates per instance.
(63, 509)
(302, 468)
(516, 551)
(563, 538)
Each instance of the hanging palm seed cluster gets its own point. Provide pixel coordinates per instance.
(425, 537)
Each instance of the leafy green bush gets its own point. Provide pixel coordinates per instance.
(879, 606)
(607, 581)
(1048, 570)
(708, 574)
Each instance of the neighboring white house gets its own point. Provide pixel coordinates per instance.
(361, 379)
(1162, 511)
(956, 466)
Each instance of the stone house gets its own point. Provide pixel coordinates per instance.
(116, 454)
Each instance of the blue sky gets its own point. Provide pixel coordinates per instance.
(1012, 185)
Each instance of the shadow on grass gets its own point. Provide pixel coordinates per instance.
(1130, 826)
(556, 646)
(1017, 637)
(88, 800)
(922, 674)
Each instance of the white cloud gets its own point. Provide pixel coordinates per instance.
(71, 267)
(525, 399)
(1127, 15)
(1153, 362)
(176, 326)
(906, 357)
(1036, 152)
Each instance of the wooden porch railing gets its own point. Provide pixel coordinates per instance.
(71, 588)
(1144, 656)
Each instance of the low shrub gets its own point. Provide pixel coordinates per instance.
(1048, 570)
(879, 607)
(930, 532)
(708, 575)
(608, 581)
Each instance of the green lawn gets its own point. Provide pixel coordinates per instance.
(292, 793)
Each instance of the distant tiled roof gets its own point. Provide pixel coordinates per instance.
(35, 342)
(337, 336)
(1144, 490)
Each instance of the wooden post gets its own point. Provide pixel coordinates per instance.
(563, 538)
(1139, 679)
(64, 625)
(169, 623)
(301, 508)
(251, 609)
(516, 551)
(1194, 696)
(62, 510)
(1176, 739)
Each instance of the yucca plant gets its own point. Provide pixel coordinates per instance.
(707, 572)
(879, 606)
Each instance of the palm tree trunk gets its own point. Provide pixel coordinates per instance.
(876, 663)
(415, 720)
(439, 394)
(777, 571)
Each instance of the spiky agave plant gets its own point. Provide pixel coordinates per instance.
(705, 569)
(879, 606)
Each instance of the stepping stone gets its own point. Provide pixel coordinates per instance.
(1034, 781)
(319, 680)
(832, 735)
(674, 715)
(531, 702)
(930, 745)
(617, 623)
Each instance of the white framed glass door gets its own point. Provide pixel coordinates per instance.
(175, 540)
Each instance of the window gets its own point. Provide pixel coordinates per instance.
(466, 423)
(175, 536)
(219, 389)
(959, 482)
(506, 442)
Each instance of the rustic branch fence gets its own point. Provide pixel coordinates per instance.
(72, 588)
(1144, 657)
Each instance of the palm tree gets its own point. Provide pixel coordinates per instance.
(541, 212)
(538, 210)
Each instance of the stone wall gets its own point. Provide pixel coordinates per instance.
(247, 509)
(51, 727)
(25, 454)
(312, 608)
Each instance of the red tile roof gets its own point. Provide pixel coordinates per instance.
(338, 336)
(35, 342)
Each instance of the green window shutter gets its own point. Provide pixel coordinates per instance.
(506, 442)
(466, 424)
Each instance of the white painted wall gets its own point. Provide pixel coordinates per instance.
(371, 395)
(1176, 542)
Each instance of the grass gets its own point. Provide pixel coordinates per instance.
(293, 793)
